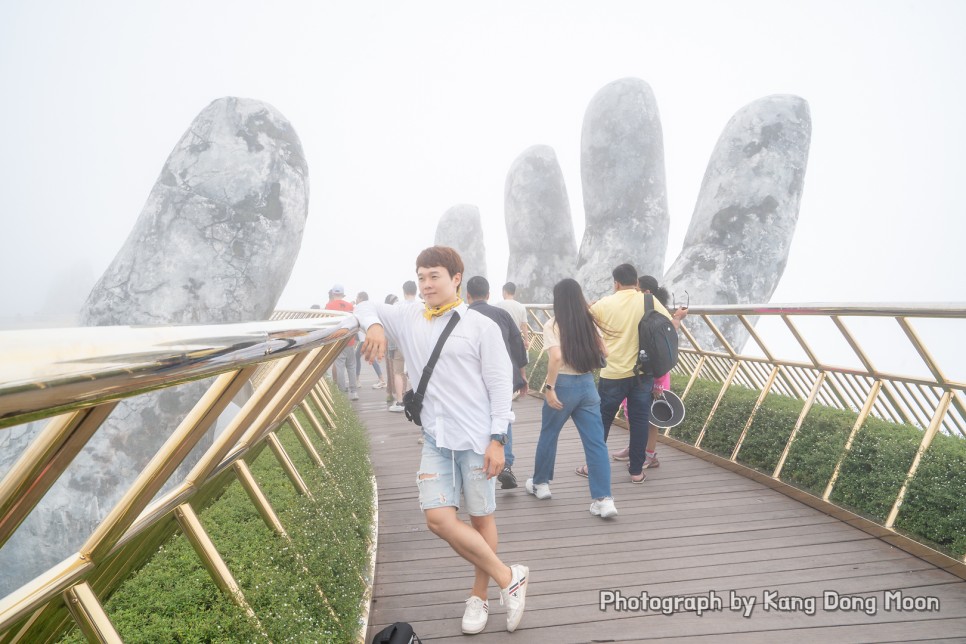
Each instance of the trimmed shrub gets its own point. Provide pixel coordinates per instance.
(307, 590)
(933, 507)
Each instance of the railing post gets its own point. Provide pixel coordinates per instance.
(859, 421)
(211, 558)
(798, 424)
(89, 614)
(927, 437)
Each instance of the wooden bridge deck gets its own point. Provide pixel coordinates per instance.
(692, 529)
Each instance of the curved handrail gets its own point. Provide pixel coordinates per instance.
(933, 403)
(51, 371)
(80, 374)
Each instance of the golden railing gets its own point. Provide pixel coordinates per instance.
(78, 376)
(931, 400)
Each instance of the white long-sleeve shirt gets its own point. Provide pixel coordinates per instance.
(469, 394)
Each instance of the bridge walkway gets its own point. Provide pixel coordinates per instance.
(693, 529)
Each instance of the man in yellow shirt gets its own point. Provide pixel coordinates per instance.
(619, 315)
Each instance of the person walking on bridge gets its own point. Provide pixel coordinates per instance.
(477, 294)
(464, 415)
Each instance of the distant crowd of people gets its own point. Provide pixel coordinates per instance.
(464, 362)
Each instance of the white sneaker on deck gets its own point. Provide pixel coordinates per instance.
(396, 407)
(603, 508)
(474, 617)
(514, 596)
(539, 490)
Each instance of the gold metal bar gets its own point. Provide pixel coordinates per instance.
(922, 351)
(690, 338)
(916, 397)
(960, 407)
(801, 341)
(258, 498)
(326, 414)
(288, 465)
(797, 381)
(314, 422)
(857, 390)
(754, 411)
(41, 590)
(840, 394)
(304, 439)
(890, 391)
(253, 409)
(297, 391)
(863, 357)
(714, 408)
(717, 333)
(757, 338)
(164, 463)
(209, 555)
(929, 434)
(798, 424)
(42, 463)
(859, 421)
(694, 376)
(89, 614)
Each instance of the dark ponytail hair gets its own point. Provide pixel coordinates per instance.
(579, 340)
(662, 295)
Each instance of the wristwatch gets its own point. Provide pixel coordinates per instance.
(499, 438)
(547, 387)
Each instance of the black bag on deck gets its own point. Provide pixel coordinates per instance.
(398, 633)
(658, 341)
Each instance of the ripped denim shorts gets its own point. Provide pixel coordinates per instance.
(444, 474)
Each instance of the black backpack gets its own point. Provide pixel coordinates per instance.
(658, 342)
(398, 633)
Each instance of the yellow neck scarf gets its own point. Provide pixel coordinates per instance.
(436, 311)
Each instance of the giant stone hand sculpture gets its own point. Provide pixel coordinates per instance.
(215, 243)
(741, 230)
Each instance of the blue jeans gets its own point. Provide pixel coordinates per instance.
(580, 402)
(508, 448)
(638, 394)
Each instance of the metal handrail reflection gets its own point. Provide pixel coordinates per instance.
(51, 371)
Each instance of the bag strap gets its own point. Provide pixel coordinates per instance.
(428, 369)
(648, 303)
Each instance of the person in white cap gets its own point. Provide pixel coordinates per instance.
(345, 363)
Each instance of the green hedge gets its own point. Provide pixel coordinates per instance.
(871, 475)
(173, 599)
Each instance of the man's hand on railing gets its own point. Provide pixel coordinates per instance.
(374, 347)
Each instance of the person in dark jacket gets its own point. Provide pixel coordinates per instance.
(477, 294)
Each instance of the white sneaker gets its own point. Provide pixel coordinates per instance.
(603, 508)
(514, 596)
(474, 617)
(396, 407)
(353, 396)
(539, 490)
(379, 385)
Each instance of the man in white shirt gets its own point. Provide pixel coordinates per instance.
(516, 310)
(465, 414)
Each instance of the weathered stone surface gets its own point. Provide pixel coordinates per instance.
(460, 227)
(215, 242)
(540, 232)
(737, 244)
(625, 193)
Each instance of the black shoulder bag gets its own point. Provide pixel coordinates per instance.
(413, 400)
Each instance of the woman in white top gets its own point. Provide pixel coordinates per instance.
(572, 339)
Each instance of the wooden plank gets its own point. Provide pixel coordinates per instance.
(691, 529)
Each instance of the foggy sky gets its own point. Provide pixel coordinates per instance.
(405, 109)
